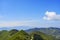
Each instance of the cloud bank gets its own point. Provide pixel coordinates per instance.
(18, 23)
(51, 16)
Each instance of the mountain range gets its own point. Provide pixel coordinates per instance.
(51, 33)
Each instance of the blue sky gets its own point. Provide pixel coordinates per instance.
(35, 13)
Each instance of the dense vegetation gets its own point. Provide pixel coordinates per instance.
(48, 31)
(23, 35)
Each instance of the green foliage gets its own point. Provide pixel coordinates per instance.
(42, 35)
(3, 35)
(22, 35)
(12, 32)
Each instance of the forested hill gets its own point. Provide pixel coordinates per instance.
(22, 35)
(31, 34)
(49, 31)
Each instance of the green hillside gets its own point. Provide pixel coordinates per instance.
(41, 35)
(22, 35)
(3, 35)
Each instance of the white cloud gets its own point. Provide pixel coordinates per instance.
(17, 23)
(30, 23)
(51, 16)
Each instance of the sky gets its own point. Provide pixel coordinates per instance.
(36, 13)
